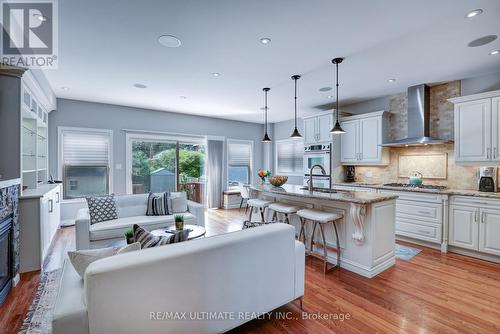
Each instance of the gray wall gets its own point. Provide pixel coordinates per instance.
(378, 104)
(481, 84)
(106, 116)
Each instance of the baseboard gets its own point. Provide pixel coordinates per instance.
(363, 270)
(471, 253)
(15, 280)
(420, 242)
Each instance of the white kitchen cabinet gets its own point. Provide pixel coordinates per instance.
(361, 144)
(317, 129)
(477, 125)
(475, 224)
(489, 231)
(349, 142)
(463, 227)
(39, 219)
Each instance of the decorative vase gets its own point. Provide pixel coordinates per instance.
(263, 180)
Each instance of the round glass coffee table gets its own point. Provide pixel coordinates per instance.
(195, 231)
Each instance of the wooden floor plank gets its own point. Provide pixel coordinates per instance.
(431, 293)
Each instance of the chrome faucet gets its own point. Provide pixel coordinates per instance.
(311, 175)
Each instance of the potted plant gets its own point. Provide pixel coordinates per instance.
(179, 222)
(129, 234)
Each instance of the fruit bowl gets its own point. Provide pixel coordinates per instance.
(277, 180)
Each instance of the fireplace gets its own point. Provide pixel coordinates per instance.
(5, 258)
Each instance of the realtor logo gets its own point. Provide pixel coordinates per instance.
(29, 33)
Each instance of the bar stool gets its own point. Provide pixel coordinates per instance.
(321, 218)
(259, 204)
(285, 209)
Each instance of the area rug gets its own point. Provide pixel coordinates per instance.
(405, 252)
(39, 317)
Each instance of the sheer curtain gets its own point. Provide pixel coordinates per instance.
(215, 157)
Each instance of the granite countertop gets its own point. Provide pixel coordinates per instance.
(461, 192)
(341, 195)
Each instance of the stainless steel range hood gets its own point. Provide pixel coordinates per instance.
(418, 119)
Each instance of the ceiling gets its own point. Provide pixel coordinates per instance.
(105, 47)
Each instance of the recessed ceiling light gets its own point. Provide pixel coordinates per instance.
(265, 40)
(391, 80)
(482, 41)
(325, 89)
(494, 52)
(40, 17)
(139, 85)
(169, 41)
(64, 88)
(329, 97)
(183, 97)
(216, 74)
(473, 13)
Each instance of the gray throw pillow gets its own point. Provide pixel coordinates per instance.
(178, 202)
(102, 208)
(83, 258)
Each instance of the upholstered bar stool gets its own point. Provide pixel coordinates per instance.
(260, 204)
(321, 218)
(285, 209)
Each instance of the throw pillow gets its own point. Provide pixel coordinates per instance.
(157, 205)
(148, 239)
(178, 202)
(102, 208)
(83, 258)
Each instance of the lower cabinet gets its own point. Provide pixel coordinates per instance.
(475, 225)
(39, 219)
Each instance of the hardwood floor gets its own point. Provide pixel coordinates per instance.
(431, 293)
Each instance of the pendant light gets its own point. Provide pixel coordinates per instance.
(266, 138)
(296, 133)
(337, 129)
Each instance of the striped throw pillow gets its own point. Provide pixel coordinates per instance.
(158, 205)
(147, 239)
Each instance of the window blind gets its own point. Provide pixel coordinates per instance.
(85, 149)
(239, 154)
(289, 155)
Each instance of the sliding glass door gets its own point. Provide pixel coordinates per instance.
(159, 163)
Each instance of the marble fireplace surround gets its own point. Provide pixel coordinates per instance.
(9, 205)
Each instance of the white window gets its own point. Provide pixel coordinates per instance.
(85, 161)
(289, 157)
(239, 162)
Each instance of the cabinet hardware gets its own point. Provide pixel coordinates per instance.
(424, 212)
(51, 206)
(494, 152)
(483, 217)
(476, 216)
(488, 153)
(58, 197)
(424, 232)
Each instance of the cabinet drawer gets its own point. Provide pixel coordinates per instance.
(475, 201)
(415, 196)
(429, 212)
(417, 231)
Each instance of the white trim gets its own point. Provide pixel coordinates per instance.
(362, 116)
(287, 140)
(48, 102)
(252, 158)
(474, 97)
(109, 132)
(175, 135)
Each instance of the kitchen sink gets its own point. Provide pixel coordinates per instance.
(321, 190)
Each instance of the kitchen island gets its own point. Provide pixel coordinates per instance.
(366, 233)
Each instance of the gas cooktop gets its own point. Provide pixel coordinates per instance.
(421, 186)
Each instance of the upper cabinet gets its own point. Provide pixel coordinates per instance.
(477, 123)
(361, 144)
(317, 129)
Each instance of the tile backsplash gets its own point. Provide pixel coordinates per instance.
(441, 113)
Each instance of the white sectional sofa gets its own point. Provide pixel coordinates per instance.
(241, 273)
(131, 210)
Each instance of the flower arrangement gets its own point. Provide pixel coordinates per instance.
(263, 174)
